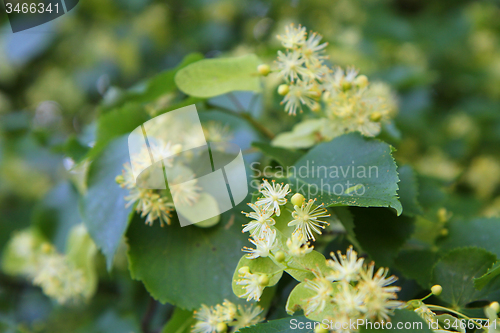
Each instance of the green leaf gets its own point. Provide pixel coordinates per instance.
(330, 170)
(297, 300)
(187, 266)
(103, 206)
(417, 265)
(303, 135)
(258, 265)
(115, 123)
(299, 265)
(72, 148)
(480, 232)
(160, 84)
(408, 191)
(408, 320)
(285, 157)
(212, 77)
(81, 251)
(381, 233)
(180, 322)
(286, 325)
(456, 272)
(493, 272)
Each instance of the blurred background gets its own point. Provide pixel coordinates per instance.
(441, 57)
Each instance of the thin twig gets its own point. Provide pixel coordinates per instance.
(246, 116)
(148, 315)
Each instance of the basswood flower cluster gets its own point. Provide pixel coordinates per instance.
(344, 100)
(352, 291)
(225, 317)
(154, 204)
(339, 289)
(38, 261)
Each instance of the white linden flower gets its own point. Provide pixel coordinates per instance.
(164, 151)
(155, 207)
(59, 279)
(247, 316)
(323, 290)
(346, 267)
(274, 196)
(216, 132)
(300, 93)
(312, 50)
(340, 79)
(293, 37)
(227, 311)
(380, 299)
(263, 221)
(290, 65)
(366, 127)
(349, 300)
(263, 245)
(207, 320)
(298, 246)
(305, 219)
(252, 283)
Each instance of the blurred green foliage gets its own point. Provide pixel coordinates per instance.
(442, 57)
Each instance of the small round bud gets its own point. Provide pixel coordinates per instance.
(283, 89)
(119, 179)
(376, 116)
(436, 290)
(46, 247)
(280, 256)
(316, 107)
(444, 232)
(297, 199)
(244, 270)
(495, 306)
(346, 85)
(443, 215)
(208, 223)
(221, 327)
(263, 69)
(264, 280)
(321, 329)
(361, 81)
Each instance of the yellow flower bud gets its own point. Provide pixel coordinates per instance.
(436, 290)
(283, 89)
(280, 256)
(346, 85)
(46, 247)
(376, 116)
(244, 270)
(316, 107)
(297, 199)
(221, 327)
(119, 179)
(264, 280)
(443, 215)
(361, 81)
(263, 69)
(495, 306)
(321, 329)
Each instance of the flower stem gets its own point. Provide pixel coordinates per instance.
(245, 116)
